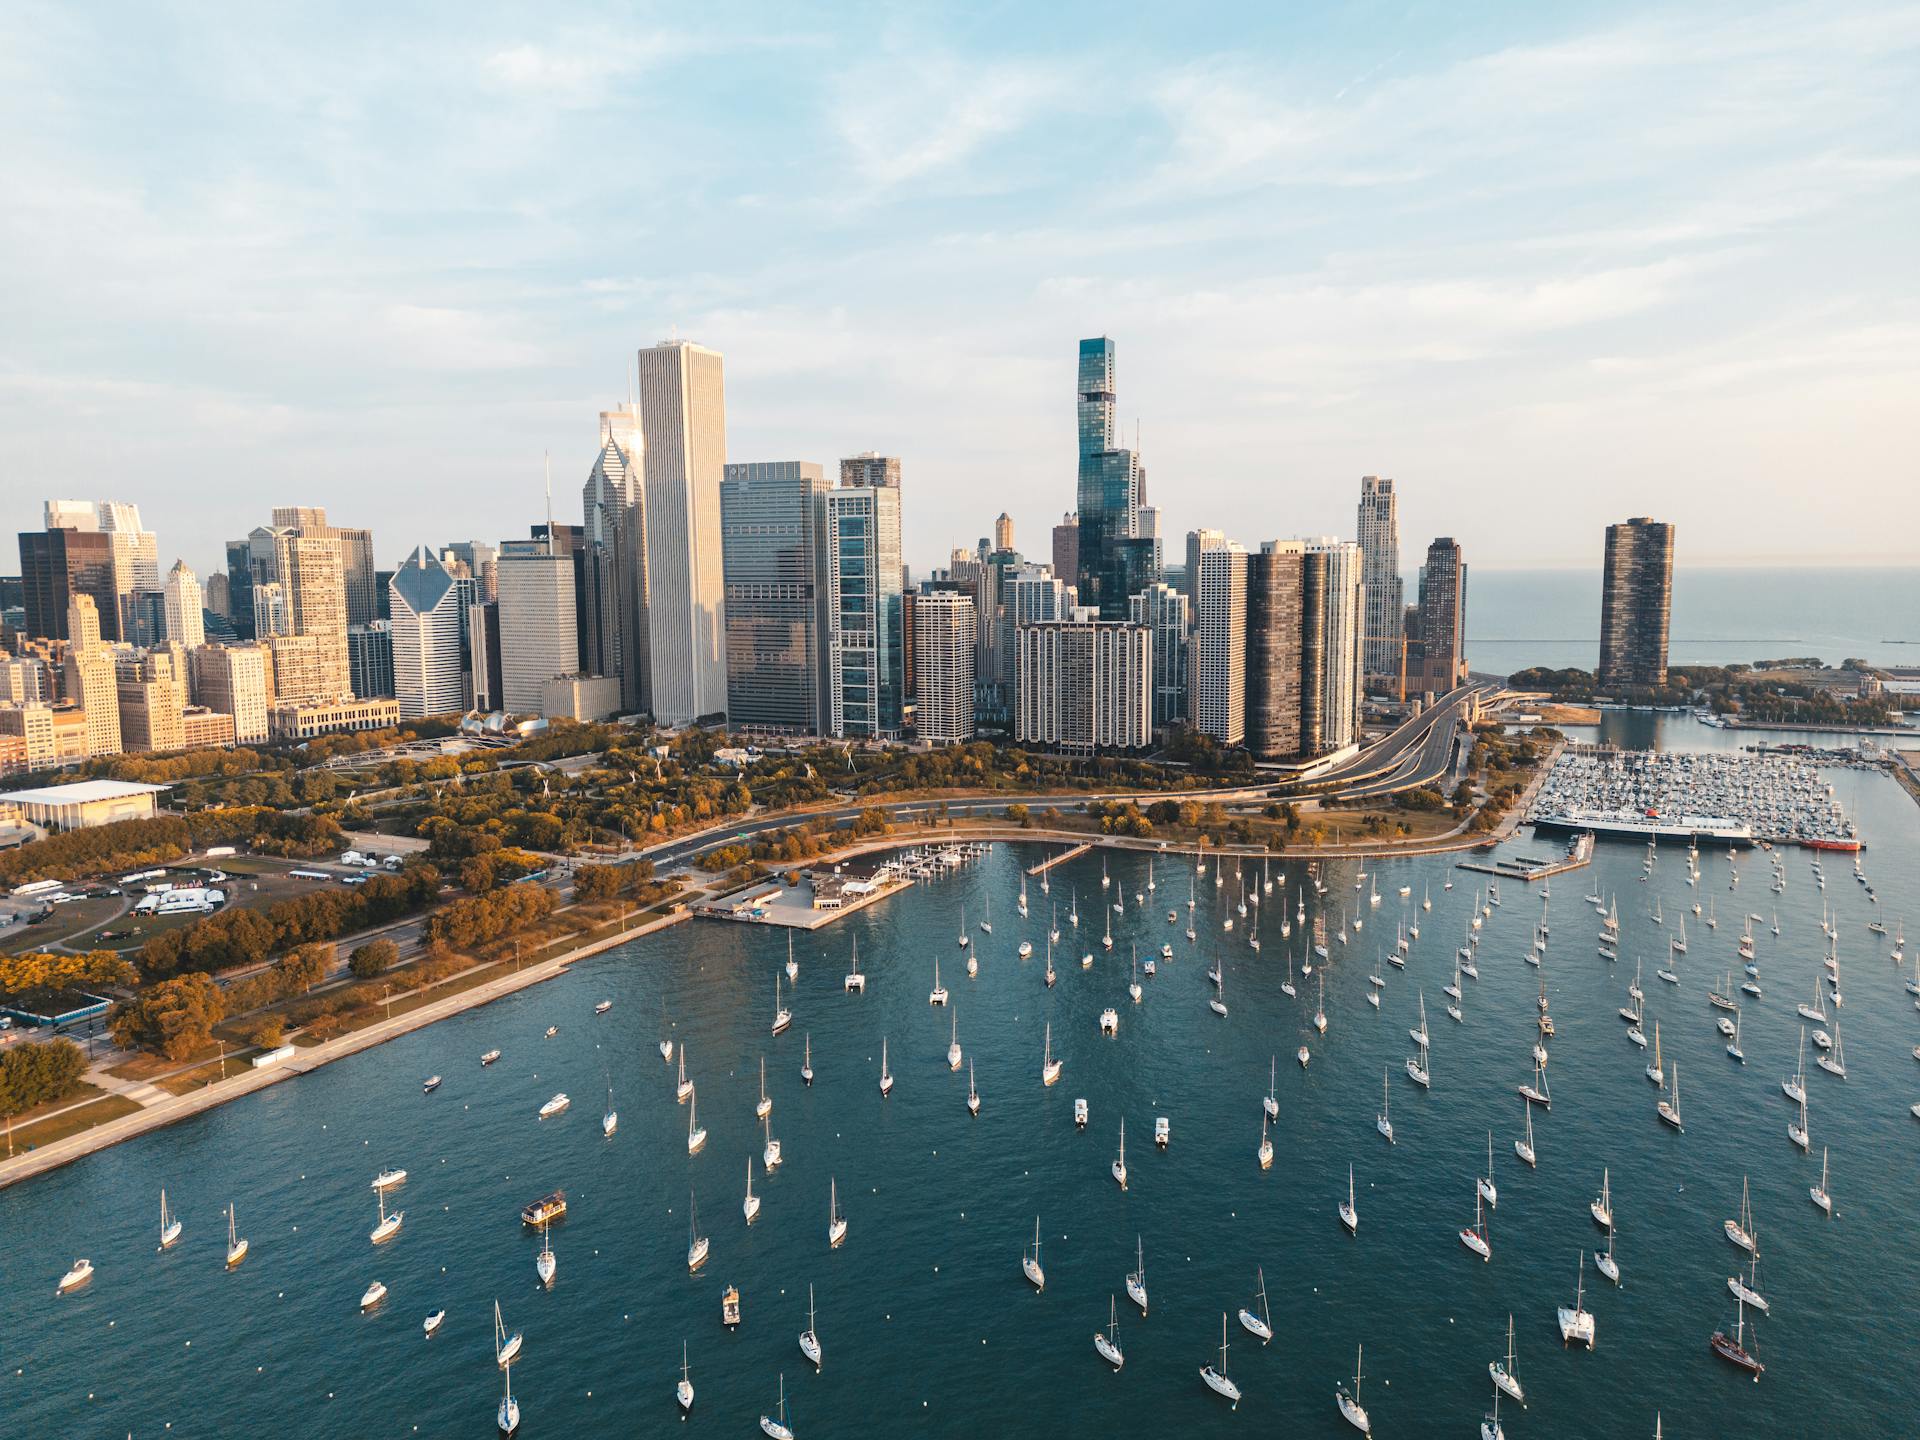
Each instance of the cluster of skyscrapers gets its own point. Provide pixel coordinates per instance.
(770, 594)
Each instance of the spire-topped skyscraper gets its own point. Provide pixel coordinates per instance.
(1115, 559)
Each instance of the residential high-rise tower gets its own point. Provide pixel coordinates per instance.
(771, 514)
(1636, 603)
(1379, 534)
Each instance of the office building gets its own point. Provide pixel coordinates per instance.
(683, 414)
(1636, 604)
(185, 623)
(92, 681)
(1443, 617)
(428, 638)
(1274, 583)
(538, 624)
(216, 597)
(1085, 685)
(236, 680)
(1198, 540)
(152, 695)
(59, 563)
(1066, 548)
(860, 539)
(304, 719)
(773, 559)
(353, 546)
(204, 729)
(613, 507)
(1379, 534)
(24, 678)
(944, 625)
(580, 697)
(1115, 562)
(143, 617)
(483, 654)
(29, 724)
(1003, 531)
(1218, 682)
(870, 469)
(136, 552)
(370, 659)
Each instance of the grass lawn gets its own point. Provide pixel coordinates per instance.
(84, 1117)
(66, 920)
(196, 1078)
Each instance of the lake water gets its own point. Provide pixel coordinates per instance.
(1519, 618)
(928, 1325)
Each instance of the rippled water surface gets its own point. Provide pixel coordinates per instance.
(928, 1325)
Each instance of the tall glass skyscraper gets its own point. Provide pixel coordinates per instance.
(1379, 532)
(1115, 562)
(770, 517)
(860, 535)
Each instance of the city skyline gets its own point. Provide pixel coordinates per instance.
(1243, 240)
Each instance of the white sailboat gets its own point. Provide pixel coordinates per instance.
(1604, 1261)
(886, 1075)
(1349, 1211)
(770, 1156)
(505, 1346)
(1524, 1147)
(793, 968)
(973, 1095)
(1030, 1260)
(1656, 1071)
(782, 1016)
(685, 1088)
(1602, 1207)
(1137, 1277)
(1119, 1166)
(1821, 1195)
(763, 1107)
(546, 1264)
(953, 1042)
(1262, 1323)
(1505, 1377)
(236, 1242)
(778, 1428)
(750, 1207)
(698, 1245)
(1351, 1409)
(683, 1392)
(1265, 1152)
(507, 1417)
(809, 1339)
(169, 1224)
(388, 1225)
(1383, 1122)
(856, 983)
(1216, 1380)
(1741, 1231)
(1488, 1191)
(1668, 1106)
(1833, 1061)
(806, 1060)
(696, 1134)
(1107, 1342)
(1049, 1067)
(610, 1118)
(937, 995)
(836, 1222)
(1476, 1238)
(1271, 1101)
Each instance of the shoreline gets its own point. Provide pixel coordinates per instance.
(176, 1108)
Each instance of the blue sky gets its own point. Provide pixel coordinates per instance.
(1547, 265)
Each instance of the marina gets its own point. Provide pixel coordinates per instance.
(940, 1204)
(1722, 797)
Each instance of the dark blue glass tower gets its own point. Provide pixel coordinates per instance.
(1114, 563)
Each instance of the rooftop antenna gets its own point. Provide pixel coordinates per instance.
(546, 459)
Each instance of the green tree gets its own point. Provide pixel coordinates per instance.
(373, 958)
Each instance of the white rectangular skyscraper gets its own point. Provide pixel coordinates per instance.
(427, 640)
(1218, 681)
(539, 635)
(1379, 535)
(683, 416)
